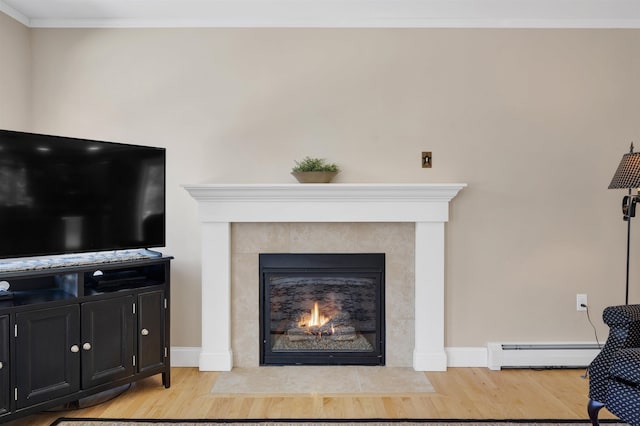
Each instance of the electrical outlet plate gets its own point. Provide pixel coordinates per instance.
(427, 159)
(581, 299)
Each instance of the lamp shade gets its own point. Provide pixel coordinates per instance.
(628, 172)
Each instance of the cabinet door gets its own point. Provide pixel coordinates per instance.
(47, 354)
(5, 384)
(107, 340)
(150, 330)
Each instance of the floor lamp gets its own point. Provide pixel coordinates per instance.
(627, 176)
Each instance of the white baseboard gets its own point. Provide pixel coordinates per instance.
(185, 356)
(466, 357)
(194, 357)
(456, 357)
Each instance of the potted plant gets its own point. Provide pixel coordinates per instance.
(314, 170)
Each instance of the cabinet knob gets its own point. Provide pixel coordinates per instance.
(86, 346)
(1, 365)
(75, 349)
(144, 332)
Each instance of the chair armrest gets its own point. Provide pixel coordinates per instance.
(626, 366)
(621, 315)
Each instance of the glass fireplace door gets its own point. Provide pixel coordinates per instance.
(323, 315)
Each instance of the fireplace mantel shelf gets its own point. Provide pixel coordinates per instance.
(326, 191)
(355, 202)
(425, 204)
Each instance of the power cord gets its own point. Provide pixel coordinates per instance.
(595, 332)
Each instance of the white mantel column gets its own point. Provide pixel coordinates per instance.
(428, 353)
(216, 354)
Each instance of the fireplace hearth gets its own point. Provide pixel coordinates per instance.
(322, 309)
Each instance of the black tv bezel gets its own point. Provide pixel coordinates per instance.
(53, 138)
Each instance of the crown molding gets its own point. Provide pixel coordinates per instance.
(325, 13)
(10, 11)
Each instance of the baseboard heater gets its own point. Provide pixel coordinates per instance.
(540, 355)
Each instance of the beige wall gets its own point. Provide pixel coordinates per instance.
(535, 121)
(15, 74)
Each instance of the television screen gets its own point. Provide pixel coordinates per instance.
(66, 195)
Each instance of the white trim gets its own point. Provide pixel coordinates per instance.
(426, 205)
(340, 202)
(466, 357)
(18, 16)
(216, 297)
(327, 13)
(321, 193)
(428, 353)
(456, 357)
(184, 356)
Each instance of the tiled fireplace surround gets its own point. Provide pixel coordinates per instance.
(405, 221)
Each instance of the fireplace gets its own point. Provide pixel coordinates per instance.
(426, 205)
(322, 309)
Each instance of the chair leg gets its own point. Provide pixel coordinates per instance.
(594, 408)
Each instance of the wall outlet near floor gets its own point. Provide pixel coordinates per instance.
(581, 299)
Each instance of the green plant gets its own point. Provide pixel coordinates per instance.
(309, 164)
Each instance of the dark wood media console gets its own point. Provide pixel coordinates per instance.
(69, 332)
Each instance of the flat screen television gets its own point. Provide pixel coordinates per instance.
(61, 195)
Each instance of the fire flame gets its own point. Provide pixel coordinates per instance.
(316, 319)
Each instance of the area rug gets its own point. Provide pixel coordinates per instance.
(320, 422)
(326, 380)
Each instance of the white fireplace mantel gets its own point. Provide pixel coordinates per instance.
(426, 205)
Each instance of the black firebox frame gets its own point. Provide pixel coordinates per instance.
(368, 264)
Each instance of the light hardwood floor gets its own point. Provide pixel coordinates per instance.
(471, 393)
